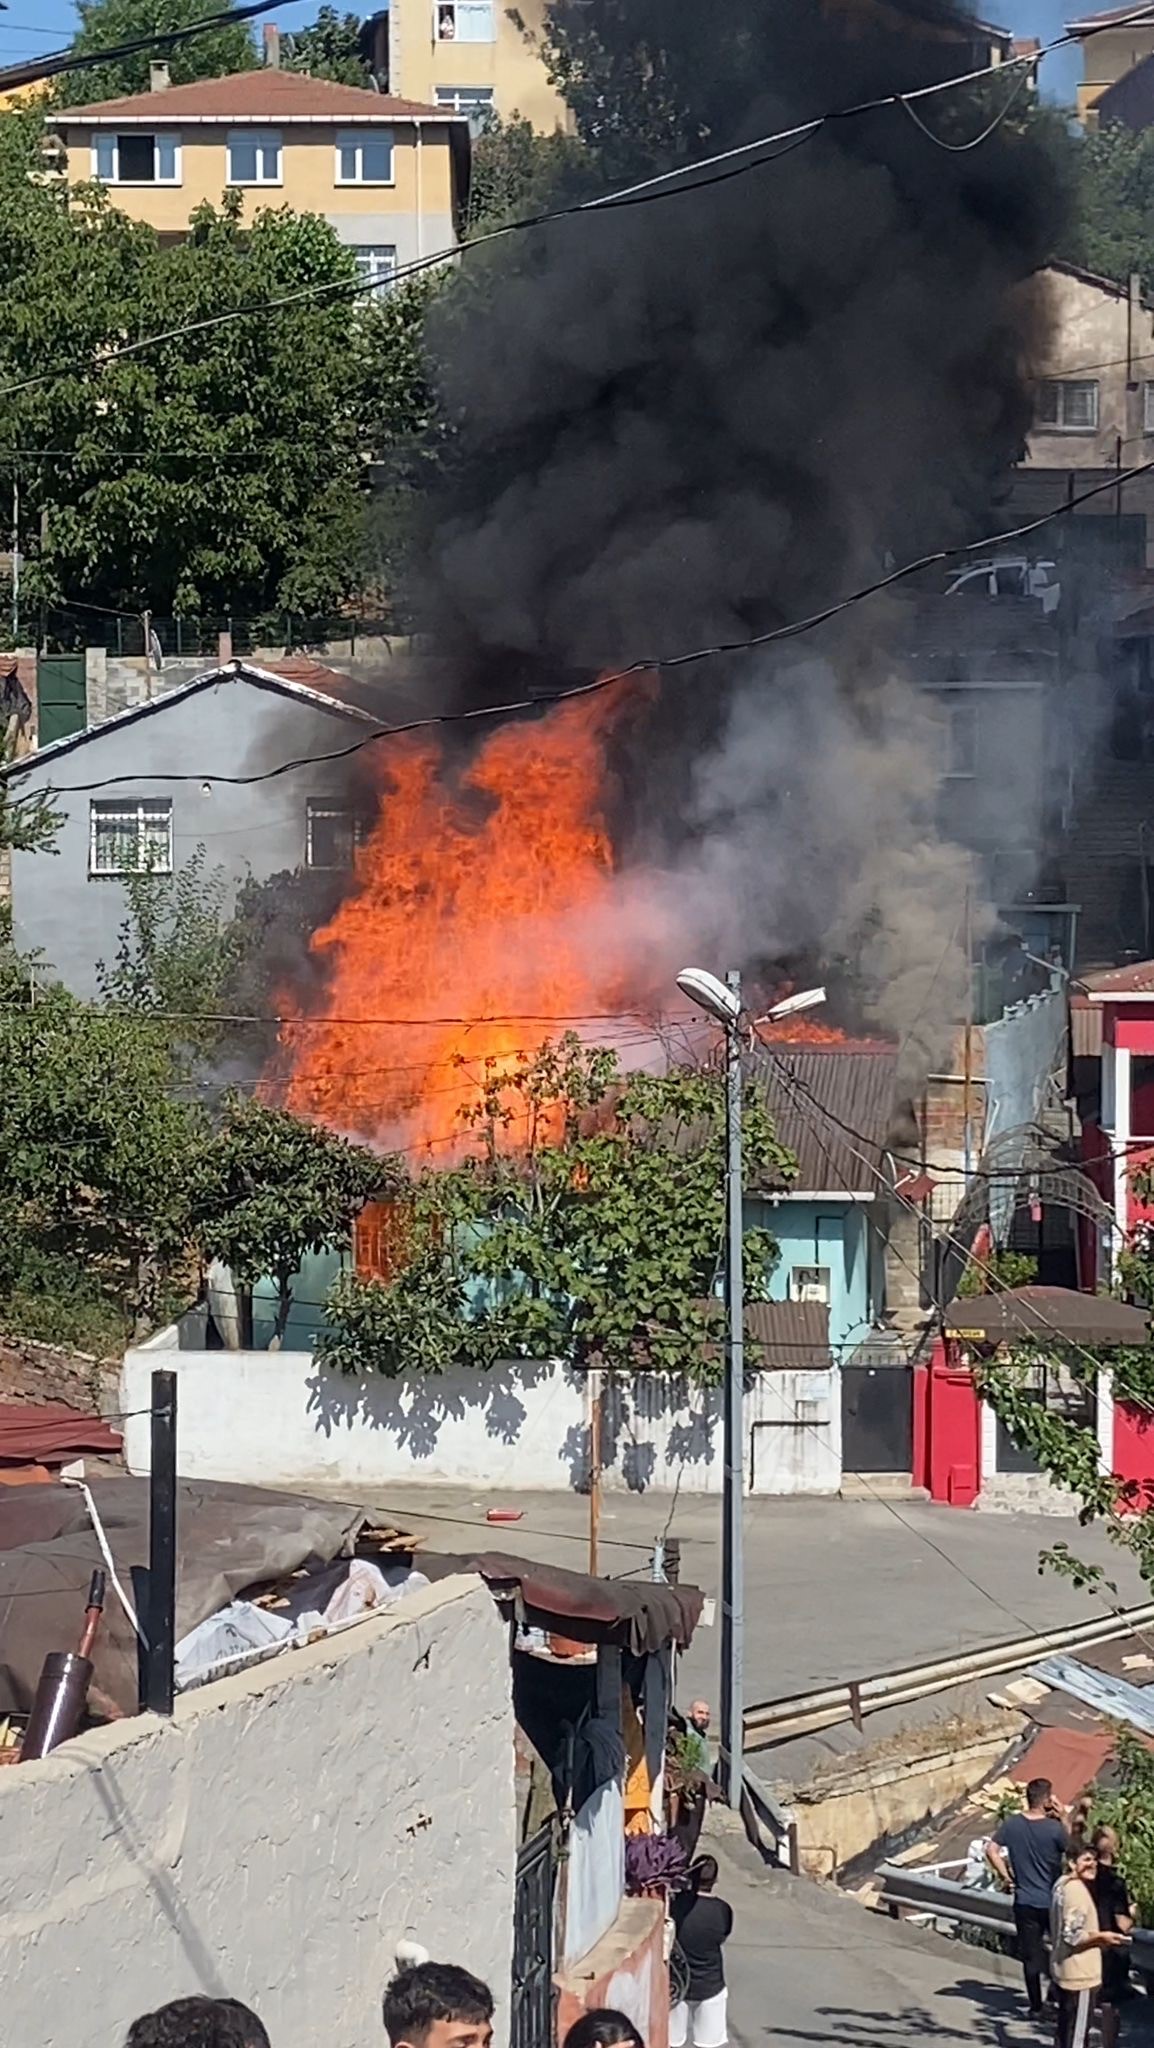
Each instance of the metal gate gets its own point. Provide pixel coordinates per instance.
(877, 1418)
(531, 2007)
(60, 697)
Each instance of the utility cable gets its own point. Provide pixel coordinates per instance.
(649, 665)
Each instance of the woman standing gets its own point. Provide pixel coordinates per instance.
(1077, 1945)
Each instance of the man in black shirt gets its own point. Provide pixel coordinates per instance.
(1111, 1895)
(703, 1923)
(1027, 1854)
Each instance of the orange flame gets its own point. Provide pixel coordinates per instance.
(482, 921)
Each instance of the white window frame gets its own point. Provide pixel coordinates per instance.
(134, 813)
(475, 102)
(464, 13)
(262, 139)
(355, 139)
(811, 1283)
(1061, 387)
(318, 807)
(377, 277)
(963, 708)
(157, 136)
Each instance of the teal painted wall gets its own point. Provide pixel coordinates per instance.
(837, 1236)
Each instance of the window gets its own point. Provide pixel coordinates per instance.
(463, 21)
(377, 263)
(474, 100)
(365, 156)
(254, 157)
(332, 834)
(1068, 405)
(809, 1283)
(136, 159)
(961, 739)
(127, 837)
(1148, 408)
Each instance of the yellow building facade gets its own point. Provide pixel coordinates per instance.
(473, 57)
(384, 172)
(1111, 46)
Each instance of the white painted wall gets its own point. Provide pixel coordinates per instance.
(270, 1418)
(1035, 1492)
(274, 1841)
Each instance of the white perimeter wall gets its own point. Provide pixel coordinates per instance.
(274, 1841)
(269, 1418)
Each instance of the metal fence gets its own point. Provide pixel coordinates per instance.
(531, 2005)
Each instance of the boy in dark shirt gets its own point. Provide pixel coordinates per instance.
(703, 1925)
(1027, 1854)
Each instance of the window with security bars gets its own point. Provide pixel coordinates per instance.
(333, 833)
(1068, 405)
(130, 838)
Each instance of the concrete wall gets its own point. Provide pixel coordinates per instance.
(835, 1235)
(280, 1419)
(626, 1972)
(231, 727)
(274, 1841)
(508, 63)
(1091, 332)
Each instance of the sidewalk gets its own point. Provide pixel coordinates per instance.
(834, 1589)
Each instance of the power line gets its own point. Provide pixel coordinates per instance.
(648, 665)
(57, 62)
(739, 160)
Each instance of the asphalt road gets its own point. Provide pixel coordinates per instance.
(834, 1589)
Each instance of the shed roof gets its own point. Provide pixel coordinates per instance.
(1049, 1312)
(791, 1335)
(834, 1107)
(636, 1613)
(266, 95)
(1135, 980)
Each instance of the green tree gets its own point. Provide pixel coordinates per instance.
(177, 949)
(223, 471)
(92, 1153)
(515, 171)
(329, 48)
(596, 1238)
(105, 24)
(1113, 227)
(265, 1189)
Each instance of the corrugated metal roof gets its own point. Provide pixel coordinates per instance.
(1133, 980)
(1061, 1312)
(835, 1108)
(787, 1334)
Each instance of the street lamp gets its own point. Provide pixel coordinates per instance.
(721, 1000)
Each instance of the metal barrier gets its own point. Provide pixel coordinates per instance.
(770, 1826)
(930, 1894)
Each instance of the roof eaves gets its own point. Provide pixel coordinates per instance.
(247, 671)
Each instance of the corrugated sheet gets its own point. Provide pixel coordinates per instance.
(835, 1109)
(1085, 1029)
(789, 1335)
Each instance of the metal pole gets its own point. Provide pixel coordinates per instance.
(732, 1578)
(16, 557)
(594, 1467)
(161, 1631)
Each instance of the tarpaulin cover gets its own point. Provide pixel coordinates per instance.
(638, 1614)
(228, 1539)
(51, 1433)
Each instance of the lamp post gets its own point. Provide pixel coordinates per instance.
(722, 1001)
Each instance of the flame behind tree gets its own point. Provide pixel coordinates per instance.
(598, 1241)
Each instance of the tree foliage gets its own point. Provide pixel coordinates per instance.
(266, 1188)
(223, 471)
(329, 48)
(517, 172)
(177, 950)
(105, 24)
(596, 1238)
(1113, 231)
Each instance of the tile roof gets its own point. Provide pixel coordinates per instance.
(256, 95)
(1112, 14)
(857, 1086)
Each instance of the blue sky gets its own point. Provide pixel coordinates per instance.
(32, 25)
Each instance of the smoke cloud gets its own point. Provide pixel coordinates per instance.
(695, 420)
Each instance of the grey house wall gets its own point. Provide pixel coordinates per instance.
(232, 727)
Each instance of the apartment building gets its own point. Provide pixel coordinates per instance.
(387, 173)
(474, 57)
(1116, 73)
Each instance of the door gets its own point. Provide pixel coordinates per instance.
(61, 704)
(877, 1418)
(531, 2006)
